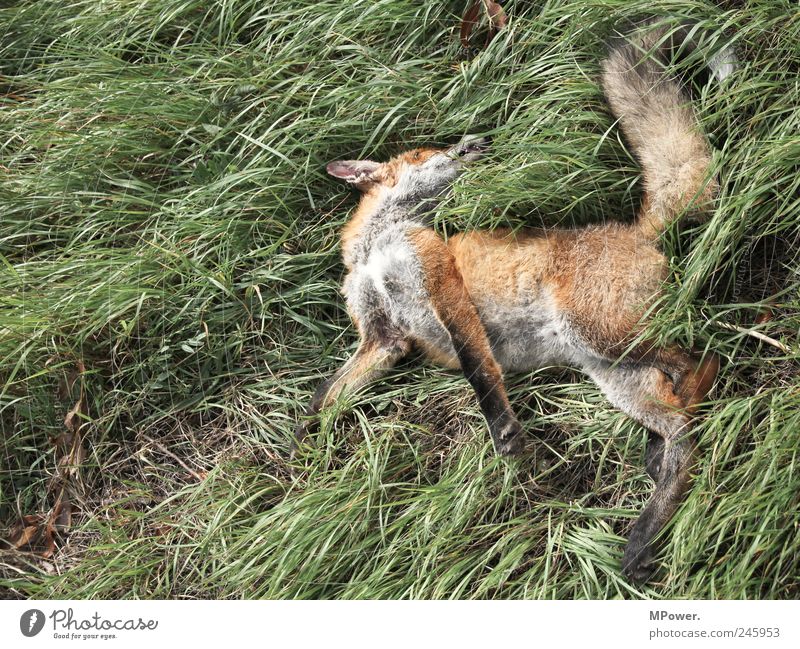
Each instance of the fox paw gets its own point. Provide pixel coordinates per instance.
(508, 438)
(299, 440)
(637, 563)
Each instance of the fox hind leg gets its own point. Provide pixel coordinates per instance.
(648, 396)
(654, 452)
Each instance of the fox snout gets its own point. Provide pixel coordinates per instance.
(471, 147)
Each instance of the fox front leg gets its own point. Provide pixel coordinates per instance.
(371, 360)
(454, 308)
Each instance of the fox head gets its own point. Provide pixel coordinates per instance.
(415, 175)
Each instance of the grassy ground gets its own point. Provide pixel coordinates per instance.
(169, 253)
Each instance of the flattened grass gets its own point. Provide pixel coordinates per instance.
(166, 221)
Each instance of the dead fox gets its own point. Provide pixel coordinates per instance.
(494, 302)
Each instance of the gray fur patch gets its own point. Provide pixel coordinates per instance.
(388, 281)
(724, 63)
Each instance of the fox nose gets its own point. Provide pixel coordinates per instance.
(472, 146)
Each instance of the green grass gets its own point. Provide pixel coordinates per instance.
(165, 220)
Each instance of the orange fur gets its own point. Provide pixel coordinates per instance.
(450, 297)
(352, 228)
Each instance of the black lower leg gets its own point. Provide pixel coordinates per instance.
(485, 378)
(653, 454)
(673, 480)
(309, 419)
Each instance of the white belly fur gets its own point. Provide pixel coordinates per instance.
(530, 334)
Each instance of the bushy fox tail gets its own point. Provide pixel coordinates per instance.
(657, 119)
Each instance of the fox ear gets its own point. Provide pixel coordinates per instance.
(360, 173)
